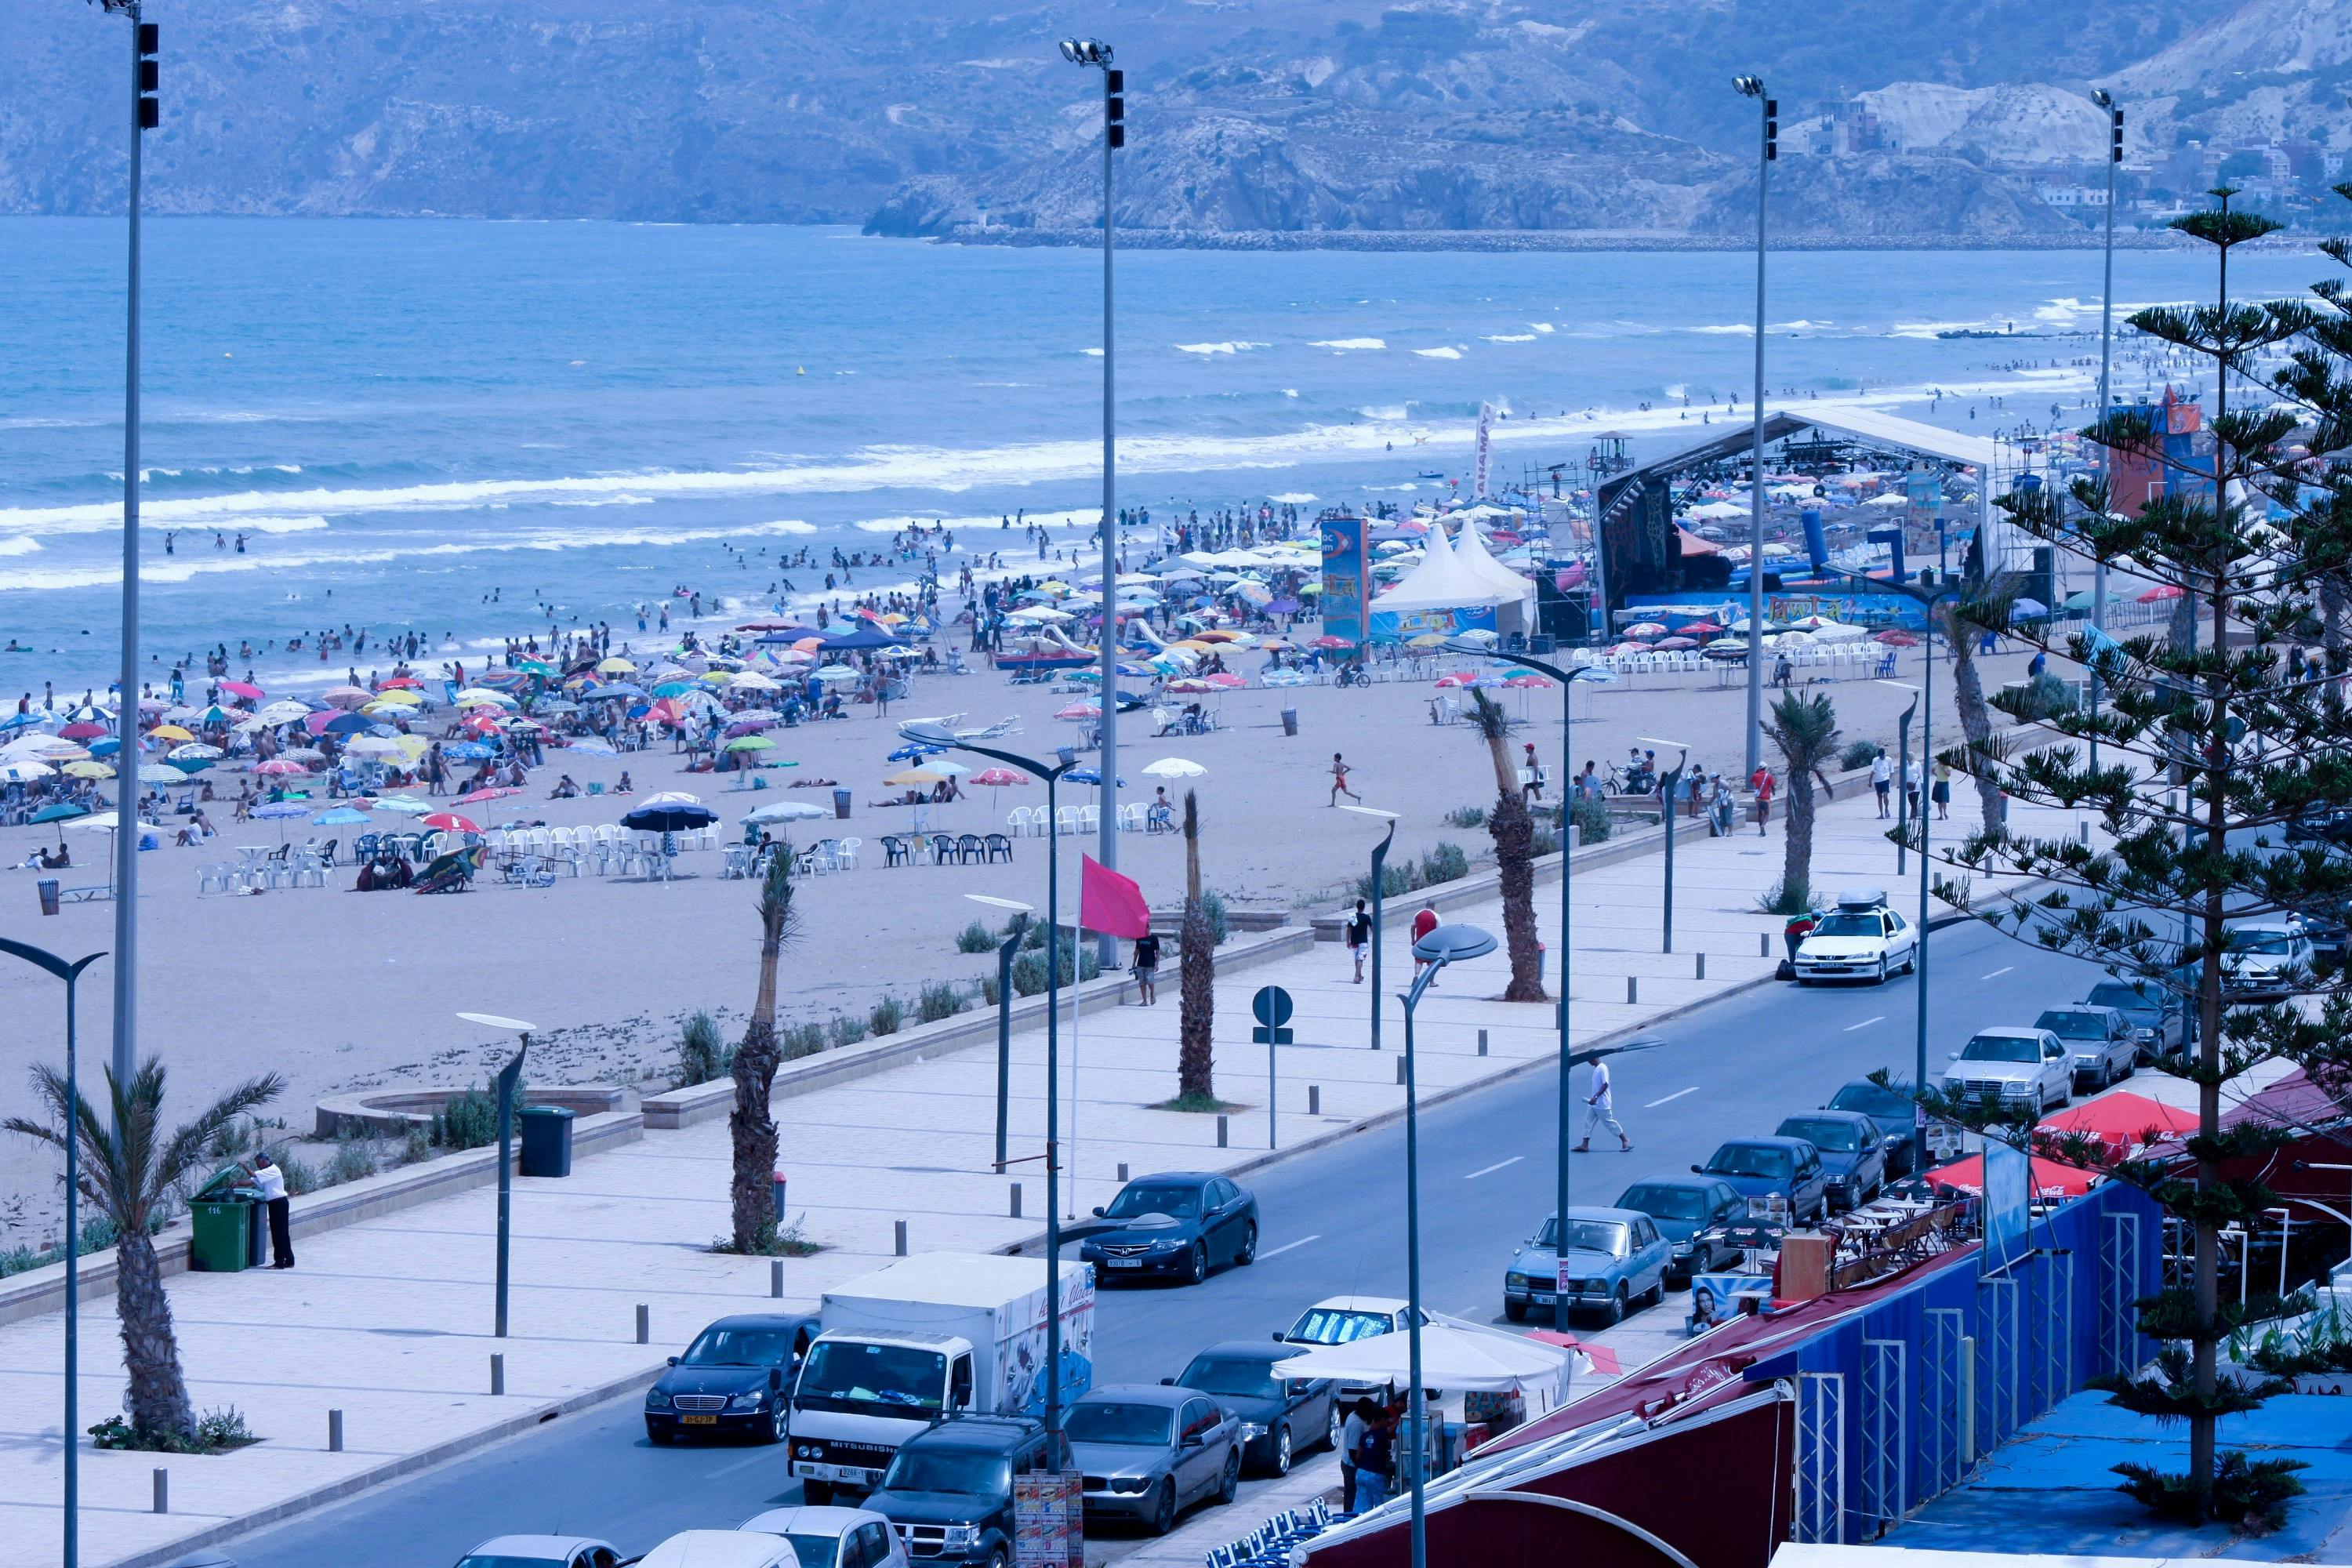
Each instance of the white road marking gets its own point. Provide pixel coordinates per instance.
(1498, 1165)
(1289, 1245)
(740, 1464)
(1866, 1022)
(1676, 1095)
(1998, 972)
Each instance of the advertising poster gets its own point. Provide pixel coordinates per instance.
(1714, 1298)
(1346, 578)
(1047, 1528)
(2008, 1186)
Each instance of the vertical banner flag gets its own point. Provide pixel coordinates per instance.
(1110, 903)
(1346, 581)
(1485, 434)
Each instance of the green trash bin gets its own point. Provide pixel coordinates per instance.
(222, 1215)
(546, 1141)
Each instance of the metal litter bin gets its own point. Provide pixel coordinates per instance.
(224, 1217)
(46, 888)
(546, 1141)
(1290, 721)
(841, 803)
(776, 1189)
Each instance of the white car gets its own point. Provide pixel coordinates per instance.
(2014, 1067)
(722, 1549)
(1341, 1319)
(1862, 938)
(541, 1552)
(2258, 959)
(833, 1537)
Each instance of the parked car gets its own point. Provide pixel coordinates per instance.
(948, 1491)
(1691, 1212)
(734, 1380)
(2013, 1067)
(1789, 1169)
(2260, 959)
(1852, 1152)
(833, 1537)
(1278, 1415)
(1148, 1454)
(719, 1548)
(1179, 1222)
(1897, 1116)
(2159, 1021)
(541, 1552)
(2321, 821)
(1862, 938)
(1614, 1257)
(2100, 1041)
(1341, 1319)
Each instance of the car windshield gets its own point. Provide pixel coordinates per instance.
(2001, 1049)
(1243, 1377)
(1183, 1201)
(1849, 925)
(1110, 1422)
(890, 1375)
(739, 1347)
(1337, 1326)
(2124, 998)
(1750, 1160)
(1606, 1236)
(1870, 1100)
(1823, 1132)
(2264, 939)
(501, 1560)
(966, 1471)
(2070, 1024)
(1665, 1202)
(813, 1551)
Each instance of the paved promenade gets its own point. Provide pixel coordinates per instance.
(389, 1319)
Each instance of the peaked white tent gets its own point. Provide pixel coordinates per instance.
(1444, 580)
(1470, 548)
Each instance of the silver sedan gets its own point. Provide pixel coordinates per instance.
(1148, 1453)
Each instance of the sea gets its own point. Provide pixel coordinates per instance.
(471, 429)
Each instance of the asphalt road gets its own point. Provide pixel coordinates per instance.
(1333, 1224)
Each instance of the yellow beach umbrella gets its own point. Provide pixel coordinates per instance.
(915, 776)
(616, 666)
(88, 769)
(170, 732)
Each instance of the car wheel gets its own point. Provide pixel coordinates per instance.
(1332, 1430)
(1231, 1485)
(1516, 1311)
(1164, 1512)
(1911, 963)
(778, 1420)
(1656, 1294)
(817, 1494)
(1883, 971)
(997, 1559)
(1197, 1267)
(656, 1436)
(1248, 1254)
(1282, 1450)
(1615, 1312)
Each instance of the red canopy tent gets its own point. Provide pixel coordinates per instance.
(2049, 1176)
(2123, 1120)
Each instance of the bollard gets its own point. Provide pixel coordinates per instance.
(1221, 1132)
(899, 1239)
(335, 1431)
(1399, 1069)
(1632, 989)
(498, 1374)
(1763, 944)
(163, 1491)
(1313, 1099)
(2084, 829)
(776, 1280)
(1016, 1200)
(1482, 1042)
(644, 1324)
(1122, 1173)
(1701, 972)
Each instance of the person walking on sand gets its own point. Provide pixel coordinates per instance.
(1359, 937)
(1882, 779)
(1340, 782)
(1600, 1112)
(272, 1183)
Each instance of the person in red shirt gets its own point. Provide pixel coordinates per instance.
(1760, 781)
(1423, 922)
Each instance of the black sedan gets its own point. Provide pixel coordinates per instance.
(734, 1380)
(1177, 1225)
(1691, 1212)
(1280, 1416)
(1853, 1152)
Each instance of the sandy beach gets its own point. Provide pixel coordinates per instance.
(341, 991)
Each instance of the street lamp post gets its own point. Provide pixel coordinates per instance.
(931, 732)
(1667, 787)
(1767, 150)
(1094, 53)
(1444, 945)
(1903, 780)
(1004, 951)
(70, 971)
(510, 1083)
(1379, 903)
(2107, 354)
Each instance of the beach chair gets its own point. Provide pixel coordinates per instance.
(215, 879)
(969, 849)
(999, 847)
(845, 852)
(310, 870)
(738, 863)
(1130, 817)
(1066, 819)
(1017, 819)
(363, 846)
(327, 852)
(942, 849)
(895, 849)
(1089, 818)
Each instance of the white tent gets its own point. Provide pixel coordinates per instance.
(1443, 581)
(1470, 548)
(1458, 1360)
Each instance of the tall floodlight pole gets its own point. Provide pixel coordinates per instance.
(509, 1088)
(2107, 355)
(146, 114)
(1766, 152)
(1095, 53)
(1380, 901)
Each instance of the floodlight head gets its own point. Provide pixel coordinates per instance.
(1070, 51)
(1748, 86)
(993, 902)
(2099, 96)
(1453, 943)
(1086, 51)
(492, 1021)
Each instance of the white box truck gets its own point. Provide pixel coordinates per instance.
(942, 1335)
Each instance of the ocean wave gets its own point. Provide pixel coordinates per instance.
(1093, 353)
(20, 545)
(1227, 348)
(1540, 326)
(1386, 411)
(1291, 498)
(608, 501)
(1439, 354)
(1734, 330)
(1511, 338)
(1348, 343)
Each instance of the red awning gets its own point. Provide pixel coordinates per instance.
(2124, 1119)
(2049, 1176)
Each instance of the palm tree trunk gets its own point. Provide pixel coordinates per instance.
(1976, 714)
(157, 1391)
(1197, 974)
(750, 1128)
(1513, 831)
(1797, 855)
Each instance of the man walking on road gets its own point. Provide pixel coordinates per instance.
(1599, 1113)
(272, 1183)
(1359, 937)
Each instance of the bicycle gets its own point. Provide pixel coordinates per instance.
(1352, 675)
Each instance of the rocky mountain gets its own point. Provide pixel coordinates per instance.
(1298, 116)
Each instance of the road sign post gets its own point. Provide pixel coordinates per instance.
(1271, 1007)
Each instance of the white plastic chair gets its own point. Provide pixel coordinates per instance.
(844, 851)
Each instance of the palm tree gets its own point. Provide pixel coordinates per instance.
(127, 1180)
(1806, 731)
(1514, 832)
(1965, 621)
(750, 1126)
(1197, 957)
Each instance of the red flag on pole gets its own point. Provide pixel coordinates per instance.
(1110, 903)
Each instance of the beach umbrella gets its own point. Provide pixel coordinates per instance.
(616, 666)
(367, 746)
(1427, 639)
(341, 816)
(538, 667)
(752, 681)
(400, 680)
(194, 750)
(170, 732)
(1645, 629)
(473, 695)
(403, 804)
(997, 778)
(1665, 645)
(1330, 642)
(907, 776)
(278, 768)
(2028, 610)
(468, 751)
(674, 688)
(617, 688)
(283, 713)
(1089, 777)
(1173, 768)
(593, 747)
(24, 769)
(82, 731)
(214, 716)
(106, 746)
(1079, 710)
(2157, 595)
(1699, 629)
(1225, 681)
(1896, 639)
(448, 821)
(750, 744)
(1539, 682)
(153, 773)
(346, 696)
(786, 811)
(62, 811)
(251, 693)
(668, 817)
(837, 672)
(490, 791)
(912, 752)
(671, 797)
(397, 697)
(88, 769)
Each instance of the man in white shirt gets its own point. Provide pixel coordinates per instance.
(1600, 1112)
(272, 1180)
(1882, 779)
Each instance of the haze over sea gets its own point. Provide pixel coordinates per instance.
(403, 415)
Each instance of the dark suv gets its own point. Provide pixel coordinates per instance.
(949, 1492)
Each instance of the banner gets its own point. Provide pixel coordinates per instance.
(1048, 1520)
(1347, 581)
(2008, 1188)
(1485, 435)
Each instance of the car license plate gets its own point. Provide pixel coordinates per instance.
(850, 1475)
(1541, 1298)
(1126, 1262)
(698, 1420)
